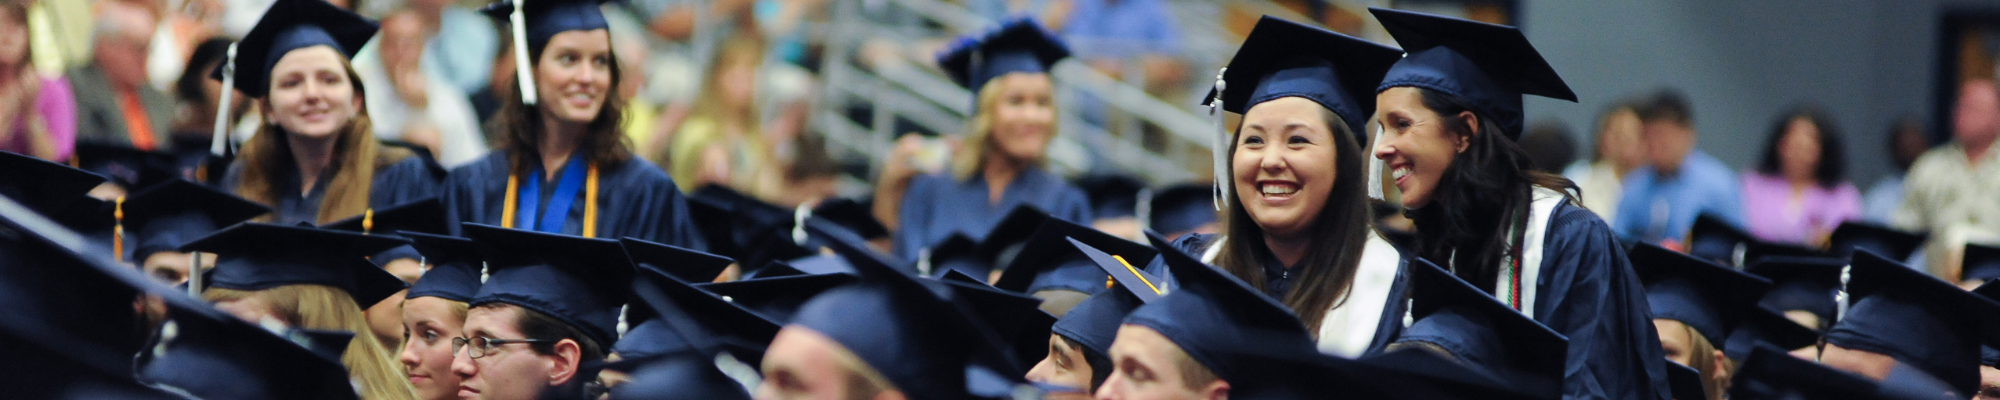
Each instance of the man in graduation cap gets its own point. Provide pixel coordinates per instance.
(549, 307)
(1909, 330)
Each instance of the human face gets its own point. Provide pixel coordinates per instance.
(573, 75)
(1416, 145)
(508, 372)
(1284, 165)
(1667, 144)
(803, 364)
(1146, 366)
(1798, 150)
(429, 324)
(1064, 366)
(1024, 116)
(311, 94)
(1872, 365)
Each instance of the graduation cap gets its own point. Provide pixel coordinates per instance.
(291, 25)
(456, 265)
(1707, 297)
(1113, 195)
(776, 298)
(1685, 382)
(257, 256)
(1181, 208)
(1017, 319)
(1484, 333)
(1094, 322)
(1765, 327)
(44, 187)
(164, 217)
(1885, 241)
(1916, 319)
(1980, 263)
(669, 316)
(1017, 45)
(580, 281)
(1772, 374)
(216, 356)
(680, 377)
(1049, 260)
(1801, 283)
(533, 23)
(1490, 66)
(855, 215)
(684, 264)
(1282, 58)
(1715, 239)
(1213, 316)
(125, 165)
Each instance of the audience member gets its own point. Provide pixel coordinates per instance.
(115, 104)
(1800, 192)
(37, 114)
(1662, 199)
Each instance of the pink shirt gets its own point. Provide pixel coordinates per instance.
(57, 108)
(1773, 213)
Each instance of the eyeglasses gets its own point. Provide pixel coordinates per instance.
(482, 346)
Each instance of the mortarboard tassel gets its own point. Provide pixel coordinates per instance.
(522, 74)
(1221, 150)
(219, 146)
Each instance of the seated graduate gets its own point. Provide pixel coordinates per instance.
(1297, 223)
(562, 164)
(422, 216)
(1696, 305)
(159, 219)
(433, 312)
(548, 308)
(1051, 268)
(1502, 348)
(658, 328)
(1079, 345)
(309, 279)
(1910, 331)
(315, 159)
(887, 336)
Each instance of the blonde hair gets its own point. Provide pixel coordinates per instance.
(356, 156)
(323, 307)
(979, 134)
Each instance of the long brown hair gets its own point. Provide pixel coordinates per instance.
(326, 308)
(519, 125)
(355, 157)
(1483, 196)
(1338, 235)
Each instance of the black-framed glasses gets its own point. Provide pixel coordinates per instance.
(482, 346)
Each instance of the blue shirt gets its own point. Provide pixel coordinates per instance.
(1657, 207)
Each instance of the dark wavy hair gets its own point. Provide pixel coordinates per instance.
(519, 126)
(1832, 168)
(1484, 194)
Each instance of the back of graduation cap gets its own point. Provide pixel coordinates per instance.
(1801, 284)
(1018, 45)
(1049, 261)
(256, 256)
(290, 25)
(456, 265)
(668, 309)
(1214, 317)
(582, 282)
(1981, 263)
(166, 216)
(213, 355)
(1181, 209)
(1715, 239)
(44, 187)
(1282, 58)
(1919, 320)
(1481, 332)
(1884, 241)
(1707, 297)
(777, 298)
(1094, 322)
(1490, 66)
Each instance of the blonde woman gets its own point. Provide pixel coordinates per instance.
(998, 165)
(309, 279)
(315, 159)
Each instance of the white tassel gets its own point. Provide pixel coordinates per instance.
(220, 144)
(523, 75)
(1221, 149)
(1375, 166)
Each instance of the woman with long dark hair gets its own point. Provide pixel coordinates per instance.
(1297, 225)
(563, 165)
(1799, 192)
(1450, 111)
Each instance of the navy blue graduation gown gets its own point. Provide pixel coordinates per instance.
(1277, 283)
(1588, 292)
(634, 199)
(401, 182)
(937, 205)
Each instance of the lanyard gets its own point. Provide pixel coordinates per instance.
(577, 176)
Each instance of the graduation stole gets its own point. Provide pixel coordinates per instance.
(576, 177)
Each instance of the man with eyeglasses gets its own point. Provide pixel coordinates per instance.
(548, 308)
